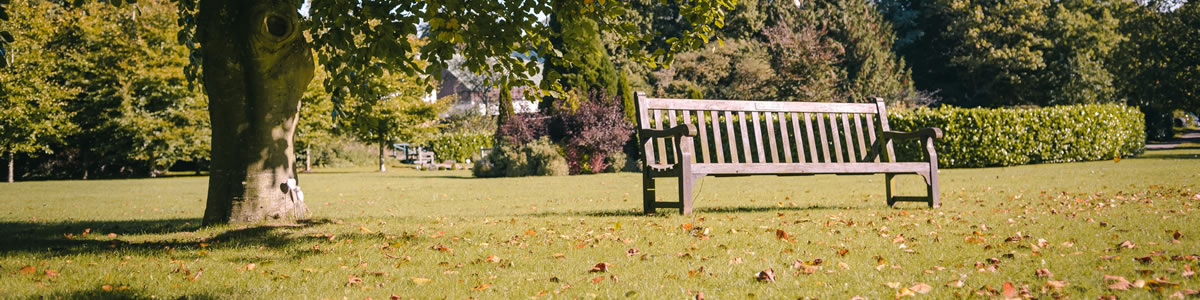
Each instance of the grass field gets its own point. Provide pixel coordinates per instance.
(1059, 230)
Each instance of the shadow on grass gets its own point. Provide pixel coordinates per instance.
(707, 210)
(66, 238)
(120, 292)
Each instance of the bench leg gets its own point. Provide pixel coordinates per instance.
(889, 182)
(648, 193)
(686, 182)
(932, 189)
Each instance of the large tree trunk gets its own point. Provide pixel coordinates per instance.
(256, 66)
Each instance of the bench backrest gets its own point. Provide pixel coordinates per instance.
(733, 132)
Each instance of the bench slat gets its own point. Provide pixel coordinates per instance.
(703, 126)
(850, 154)
(823, 168)
(812, 139)
(871, 133)
(768, 119)
(783, 134)
(716, 129)
(758, 137)
(824, 141)
(659, 142)
(671, 120)
(862, 144)
(833, 135)
(733, 152)
(746, 156)
(761, 106)
(883, 126)
(799, 135)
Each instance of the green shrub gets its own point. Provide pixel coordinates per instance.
(537, 158)
(459, 146)
(979, 137)
(615, 162)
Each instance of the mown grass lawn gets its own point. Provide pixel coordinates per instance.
(445, 235)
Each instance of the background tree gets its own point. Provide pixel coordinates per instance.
(136, 111)
(1157, 65)
(584, 65)
(396, 113)
(31, 100)
(317, 120)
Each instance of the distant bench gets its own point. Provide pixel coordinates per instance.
(740, 138)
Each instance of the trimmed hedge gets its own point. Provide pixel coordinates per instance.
(459, 146)
(981, 137)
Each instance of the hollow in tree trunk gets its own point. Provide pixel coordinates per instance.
(256, 66)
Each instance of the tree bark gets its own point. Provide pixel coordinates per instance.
(382, 163)
(11, 165)
(256, 66)
(307, 159)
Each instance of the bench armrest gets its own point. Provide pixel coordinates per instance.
(935, 133)
(681, 130)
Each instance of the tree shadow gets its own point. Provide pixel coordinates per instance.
(67, 238)
(120, 292)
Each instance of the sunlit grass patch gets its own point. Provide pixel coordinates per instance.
(1043, 231)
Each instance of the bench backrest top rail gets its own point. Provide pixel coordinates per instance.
(760, 106)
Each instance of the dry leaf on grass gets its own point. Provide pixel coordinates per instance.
(600, 267)
(1043, 273)
(419, 280)
(767, 275)
(921, 288)
(1008, 291)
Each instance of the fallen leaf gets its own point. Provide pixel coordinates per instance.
(106, 288)
(767, 275)
(394, 297)
(1127, 245)
(364, 229)
(418, 280)
(598, 279)
(1056, 284)
(699, 296)
(696, 272)
(558, 255)
(481, 287)
(492, 259)
(530, 232)
(442, 248)
(51, 273)
(251, 266)
(782, 235)
(1144, 259)
(956, 284)
(1118, 282)
(600, 267)
(632, 251)
(1043, 273)
(904, 292)
(892, 284)
(1177, 235)
(113, 235)
(921, 288)
(28, 270)
(898, 239)
(843, 252)
(1008, 291)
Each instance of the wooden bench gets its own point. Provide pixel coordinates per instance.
(739, 138)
